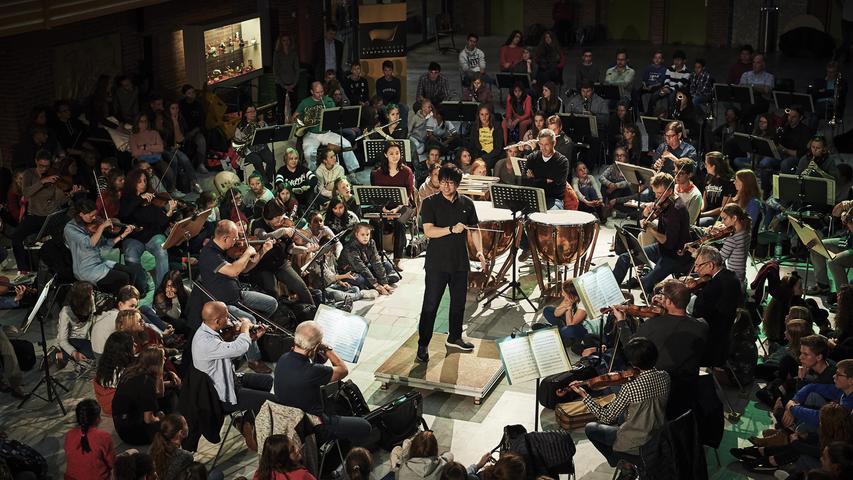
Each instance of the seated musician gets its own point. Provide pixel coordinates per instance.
(564, 144)
(393, 172)
(673, 148)
(259, 156)
(137, 208)
(310, 112)
(218, 275)
(548, 169)
(276, 264)
(361, 257)
(680, 340)
(300, 179)
(642, 400)
(215, 356)
(299, 378)
(843, 259)
(670, 234)
(85, 238)
(735, 248)
(716, 303)
(719, 187)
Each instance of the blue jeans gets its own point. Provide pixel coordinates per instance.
(361, 282)
(150, 316)
(258, 302)
(553, 203)
(567, 332)
(664, 266)
(338, 293)
(133, 250)
(603, 437)
(347, 428)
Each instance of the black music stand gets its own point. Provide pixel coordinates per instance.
(742, 94)
(758, 147)
(36, 314)
(374, 149)
(459, 111)
(636, 254)
(374, 198)
(579, 127)
(653, 128)
(507, 80)
(184, 230)
(339, 118)
(803, 190)
(636, 176)
(786, 100)
(521, 201)
(608, 92)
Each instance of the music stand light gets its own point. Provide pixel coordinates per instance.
(786, 100)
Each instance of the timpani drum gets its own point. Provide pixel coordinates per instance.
(497, 225)
(561, 237)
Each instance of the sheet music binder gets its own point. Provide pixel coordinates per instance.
(344, 332)
(598, 289)
(810, 238)
(519, 166)
(533, 355)
(374, 148)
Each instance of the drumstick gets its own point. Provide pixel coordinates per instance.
(477, 228)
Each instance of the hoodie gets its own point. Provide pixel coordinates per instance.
(424, 468)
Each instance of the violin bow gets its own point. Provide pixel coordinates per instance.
(267, 322)
(163, 175)
(214, 299)
(234, 201)
(101, 196)
(671, 185)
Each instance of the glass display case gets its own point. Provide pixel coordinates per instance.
(232, 51)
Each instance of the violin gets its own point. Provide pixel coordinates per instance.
(239, 247)
(7, 286)
(659, 207)
(301, 236)
(230, 332)
(711, 237)
(62, 182)
(601, 382)
(695, 283)
(116, 228)
(642, 311)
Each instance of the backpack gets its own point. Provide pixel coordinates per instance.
(544, 453)
(22, 458)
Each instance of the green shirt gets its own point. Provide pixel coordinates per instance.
(311, 111)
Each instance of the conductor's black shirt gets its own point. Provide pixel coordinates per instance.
(450, 252)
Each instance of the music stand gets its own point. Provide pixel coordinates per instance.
(608, 92)
(636, 253)
(786, 100)
(809, 237)
(183, 231)
(742, 94)
(804, 190)
(459, 111)
(36, 313)
(652, 130)
(507, 80)
(54, 223)
(339, 118)
(579, 126)
(636, 176)
(521, 201)
(374, 148)
(519, 166)
(758, 147)
(374, 198)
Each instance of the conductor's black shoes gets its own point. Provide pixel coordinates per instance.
(459, 344)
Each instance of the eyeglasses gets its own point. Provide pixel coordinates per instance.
(448, 183)
(840, 375)
(700, 265)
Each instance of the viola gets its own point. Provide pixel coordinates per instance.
(63, 182)
(117, 227)
(601, 382)
(7, 286)
(162, 199)
(715, 235)
(643, 311)
(230, 332)
(239, 247)
(695, 283)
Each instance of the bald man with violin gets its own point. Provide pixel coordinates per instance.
(219, 276)
(642, 399)
(214, 355)
(671, 233)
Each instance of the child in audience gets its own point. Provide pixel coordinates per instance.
(338, 217)
(361, 258)
(75, 322)
(418, 458)
(281, 460)
(118, 355)
(359, 464)
(329, 171)
(89, 451)
(170, 460)
(286, 200)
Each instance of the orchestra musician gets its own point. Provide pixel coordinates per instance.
(84, 236)
(548, 169)
(218, 275)
(259, 156)
(843, 259)
(670, 234)
(679, 338)
(137, 207)
(673, 148)
(736, 231)
(564, 144)
(716, 302)
(310, 112)
(214, 356)
(445, 217)
(276, 264)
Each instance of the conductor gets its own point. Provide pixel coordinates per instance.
(445, 217)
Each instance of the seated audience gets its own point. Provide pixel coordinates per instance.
(418, 458)
(137, 406)
(118, 355)
(568, 316)
(89, 451)
(518, 114)
(361, 258)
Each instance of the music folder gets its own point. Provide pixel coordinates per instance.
(344, 332)
(810, 238)
(598, 289)
(533, 355)
(519, 166)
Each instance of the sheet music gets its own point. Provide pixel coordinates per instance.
(519, 166)
(518, 360)
(344, 332)
(598, 289)
(549, 352)
(810, 238)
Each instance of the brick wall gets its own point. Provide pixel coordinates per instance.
(657, 21)
(719, 12)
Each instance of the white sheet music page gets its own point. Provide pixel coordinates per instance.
(549, 352)
(344, 332)
(600, 290)
(518, 360)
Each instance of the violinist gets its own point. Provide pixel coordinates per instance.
(39, 187)
(842, 248)
(214, 356)
(736, 232)
(276, 264)
(218, 275)
(679, 338)
(137, 207)
(670, 234)
(84, 236)
(110, 198)
(643, 401)
(716, 302)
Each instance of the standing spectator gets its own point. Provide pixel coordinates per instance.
(701, 83)
(621, 74)
(125, 99)
(328, 53)
(743, 65)
(586, 70)
(89, 451)
(472, 60)
(356, 87)
(432, 86)
(286, 70)
(549, 57)
(511, 51)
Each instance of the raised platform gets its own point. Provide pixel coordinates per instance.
(471, 374)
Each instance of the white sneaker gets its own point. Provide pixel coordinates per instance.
(369, 294)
